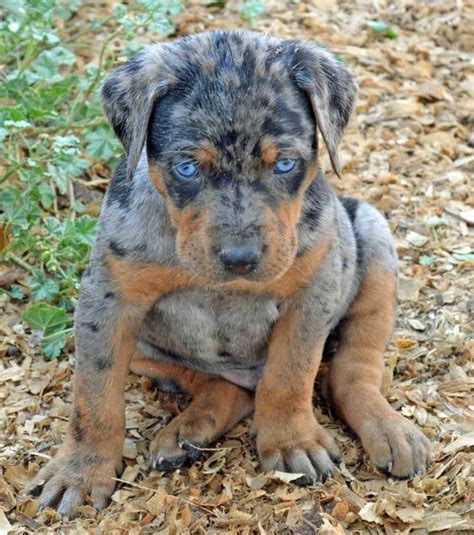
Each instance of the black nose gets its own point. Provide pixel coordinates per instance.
(240, 259)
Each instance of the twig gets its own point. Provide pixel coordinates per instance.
(42, 455)
(11, 171)
(87, 30)
(20, 262)
(72, 198)
(223, 448)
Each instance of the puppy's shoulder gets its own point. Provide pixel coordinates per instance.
(134, 223)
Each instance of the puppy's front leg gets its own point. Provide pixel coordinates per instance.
(92, 452)
(288, 436)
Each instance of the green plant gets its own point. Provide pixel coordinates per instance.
(251, 9)
(383, 29)
(52, 131)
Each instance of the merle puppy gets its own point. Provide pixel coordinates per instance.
(223, 261)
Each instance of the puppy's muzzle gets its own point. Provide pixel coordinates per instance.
(240, 259)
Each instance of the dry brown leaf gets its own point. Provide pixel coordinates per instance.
(409, 288)
(461, 443)
(5, 526)
(369, 513)
(340, 510)
(408, 515)
(13, 373)
(443, 520)
(286, 477)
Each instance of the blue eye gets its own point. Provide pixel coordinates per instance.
(186, 169)
(284, 165)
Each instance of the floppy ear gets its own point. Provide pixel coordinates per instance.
(331, 90)
(128, 95)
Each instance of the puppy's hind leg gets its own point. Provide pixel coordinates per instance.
(393, 443)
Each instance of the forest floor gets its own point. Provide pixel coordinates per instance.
(409, 150)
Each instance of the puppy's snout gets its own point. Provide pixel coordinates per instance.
(240, 259)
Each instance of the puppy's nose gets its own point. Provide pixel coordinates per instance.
(240, 260)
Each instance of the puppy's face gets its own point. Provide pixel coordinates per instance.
(229, 121)
(231, 148)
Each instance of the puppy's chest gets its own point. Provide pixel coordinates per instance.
(223, 334)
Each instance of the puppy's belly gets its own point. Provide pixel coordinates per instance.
(217, 333)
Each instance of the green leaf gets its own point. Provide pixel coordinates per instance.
(66, 8)
(59, 177)
(85, 227)
(16, 292)
(382, 29)
(102, 144)
(54, 322)
(16, 216)
(47, 195)
(215, 3)
(53, 344)
(46, 65)
(16, 7)
(53, 227)
(17, 124)
(48, 318)
(42, 288)
(62, 142)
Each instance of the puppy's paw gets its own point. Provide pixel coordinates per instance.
(74, 473)
(308, 449)
(178, 443)
(396, 446)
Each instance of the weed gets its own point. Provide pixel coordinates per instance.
(52, 131)
(251, 9)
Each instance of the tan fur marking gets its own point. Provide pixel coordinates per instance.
(284, 417)
(392, 441)
(206, 155)
(142, 284)
(100, 419)
(296, 277)
(286, 360)
(216, 407)
(269, 151)
(359, 359)
(188, 380)
(310, 174)
(189, 223)
(156, 179)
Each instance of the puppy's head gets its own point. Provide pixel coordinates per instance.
(230, 122)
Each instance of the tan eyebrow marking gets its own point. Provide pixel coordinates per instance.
(206, 154)
(269, 151)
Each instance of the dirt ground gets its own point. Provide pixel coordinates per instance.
(410, 151)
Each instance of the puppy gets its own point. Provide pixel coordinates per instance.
(223, 261)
